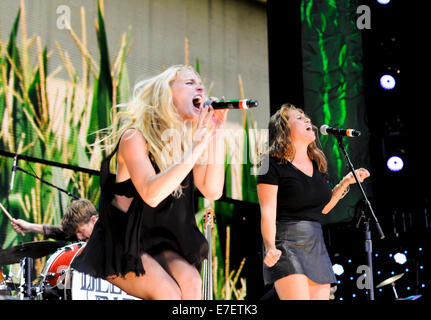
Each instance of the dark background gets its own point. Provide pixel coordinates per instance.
(397, 125)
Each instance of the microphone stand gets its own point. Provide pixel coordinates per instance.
(368, 240)
(47, 183)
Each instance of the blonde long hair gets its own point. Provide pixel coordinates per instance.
(151, 112)
(280, 141)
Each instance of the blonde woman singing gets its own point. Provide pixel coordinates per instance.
(146, 241)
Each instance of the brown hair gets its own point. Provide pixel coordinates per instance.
(78, 212)
(280, 142)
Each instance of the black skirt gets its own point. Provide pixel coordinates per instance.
(303, 251)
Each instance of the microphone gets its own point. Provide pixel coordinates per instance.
(232, 104)
(12, 179)
(325, 129)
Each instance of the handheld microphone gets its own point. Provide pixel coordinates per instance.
(232, 104)
(325, 129)
(12, 179)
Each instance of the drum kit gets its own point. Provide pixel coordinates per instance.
(57, 280)
(392, 281)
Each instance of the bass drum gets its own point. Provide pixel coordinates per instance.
(80, 286)
(51, 281)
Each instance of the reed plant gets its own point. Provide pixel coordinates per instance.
(43, 116)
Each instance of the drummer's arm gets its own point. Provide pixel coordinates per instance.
(22, 226)
(55, 232)
(48, 231)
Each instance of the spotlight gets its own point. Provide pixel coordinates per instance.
(383, 1)
(338, 269)
(400, 258)
(395, 163)
(387, 82)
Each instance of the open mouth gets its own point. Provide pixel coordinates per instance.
(197, 102)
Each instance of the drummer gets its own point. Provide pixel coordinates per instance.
(77, 223)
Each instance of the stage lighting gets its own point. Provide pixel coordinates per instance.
(383, 1)
(387, 82)
(338, 269)
(395, 163)
(400, 258)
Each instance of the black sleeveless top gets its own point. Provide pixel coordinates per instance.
(120, 238)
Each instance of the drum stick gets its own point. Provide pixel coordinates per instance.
(10, 217)
(7, 213)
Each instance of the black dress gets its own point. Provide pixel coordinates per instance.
(300, 200)
(120, 238)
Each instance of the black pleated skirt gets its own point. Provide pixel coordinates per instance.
(303, 251)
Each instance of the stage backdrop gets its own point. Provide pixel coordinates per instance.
(63, 64)
(333, 88)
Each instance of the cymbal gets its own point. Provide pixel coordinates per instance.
(415, 297)
(36, 249)
(389, 280)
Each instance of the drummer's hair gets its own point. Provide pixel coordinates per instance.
(78, 212)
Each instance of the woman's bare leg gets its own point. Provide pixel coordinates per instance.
(319, 291)
(293, 287)
(155, 284)
(300, 287)
(185, 274)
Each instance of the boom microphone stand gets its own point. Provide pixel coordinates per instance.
(47, 183)
(368, 240)
(26, 289)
